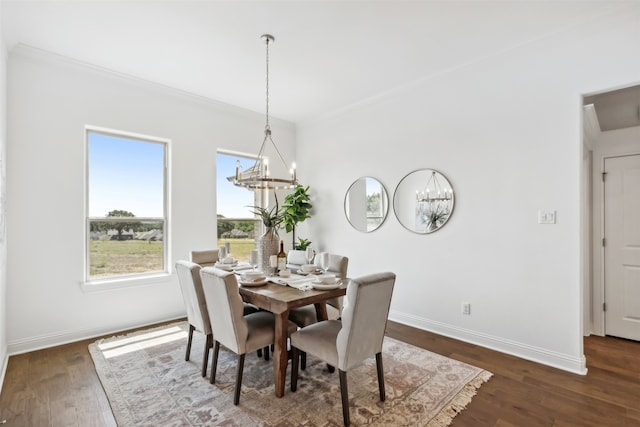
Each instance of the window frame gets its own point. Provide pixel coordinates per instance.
(131, 278)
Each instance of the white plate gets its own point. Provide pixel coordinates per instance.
(227, 267)
(306, 273)
(326, 287)
(251, 279)
(319, 280)
(249, 283)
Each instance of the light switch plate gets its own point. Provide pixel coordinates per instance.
(546, 217)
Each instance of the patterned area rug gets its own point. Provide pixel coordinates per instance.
(148, 383)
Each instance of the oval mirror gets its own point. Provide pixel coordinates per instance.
(366, 204)
(423, 201)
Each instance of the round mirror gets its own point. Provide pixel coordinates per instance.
(423, 201)
(366, 204)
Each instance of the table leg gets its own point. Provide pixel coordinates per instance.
(321, 311)
(280, 355)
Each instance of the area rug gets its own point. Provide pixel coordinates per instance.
(148, 383)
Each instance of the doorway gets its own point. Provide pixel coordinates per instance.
(611, 286)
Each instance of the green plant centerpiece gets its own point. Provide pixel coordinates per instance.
(302, 244)
(268, 244)
(296, 209)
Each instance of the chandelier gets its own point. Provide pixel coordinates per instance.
(258, 176)
(433, 204)
(433, 191)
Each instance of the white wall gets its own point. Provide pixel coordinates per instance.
(3, 241)
(507, 133)
(50, 100)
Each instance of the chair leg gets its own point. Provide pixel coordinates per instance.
(191, 329)
(214, 362)
(236, 398)
(345, 396)
(294, 368)
(205, 357)
(303, 360)
(380, 377)
(266, 353)
(259, 352)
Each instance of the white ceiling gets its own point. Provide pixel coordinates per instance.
(328, 55)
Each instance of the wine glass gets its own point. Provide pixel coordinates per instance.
(309, 254)
(253, 258)
(324, 261)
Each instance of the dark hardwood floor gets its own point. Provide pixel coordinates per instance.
(59, 386)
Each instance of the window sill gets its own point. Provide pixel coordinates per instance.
(116, 283)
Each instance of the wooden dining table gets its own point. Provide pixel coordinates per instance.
(279, 299)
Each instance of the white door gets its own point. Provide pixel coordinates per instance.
(622, 246)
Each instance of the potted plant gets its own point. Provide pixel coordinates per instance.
(268, 243)
(302, 244)
(295, 209)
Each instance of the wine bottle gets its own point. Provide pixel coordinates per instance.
(282, 258)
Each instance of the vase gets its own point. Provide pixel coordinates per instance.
(268, 245)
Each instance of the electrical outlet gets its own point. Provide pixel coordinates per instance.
(466, 308)
(546, 217)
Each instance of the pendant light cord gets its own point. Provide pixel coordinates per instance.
(267, 127)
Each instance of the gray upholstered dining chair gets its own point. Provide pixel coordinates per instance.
(305, 316)
(358, 336)
(296, 258)
(338, 265)
(208, 258)
(196, 306)
(205, 258)
(231, 328)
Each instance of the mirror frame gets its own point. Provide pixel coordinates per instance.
(386, 207)
(446, 185)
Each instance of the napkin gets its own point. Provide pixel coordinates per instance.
(298, 283)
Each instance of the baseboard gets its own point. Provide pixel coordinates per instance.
(565, 362)
(3, 369)
(59, 338)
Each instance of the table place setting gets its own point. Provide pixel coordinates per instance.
(325, 282)
(232, 265)
(322, 282)
(253, 278)
(307, 269)
(226, 262)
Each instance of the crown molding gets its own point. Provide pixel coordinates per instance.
(34, 53)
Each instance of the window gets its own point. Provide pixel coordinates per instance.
(126, 223)
(236, 224)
